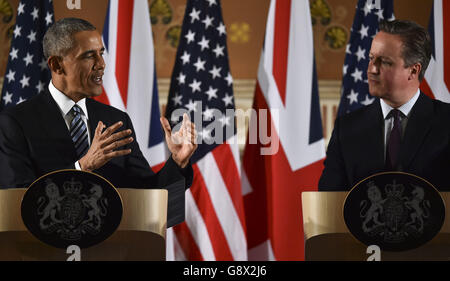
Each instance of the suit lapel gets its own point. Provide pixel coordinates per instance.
(94, 117)
(418, 127)
(374, 137)
(54, 126)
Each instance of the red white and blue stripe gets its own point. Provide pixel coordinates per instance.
(202, 84)
(437, 77)
(287, 88)
(129, 81)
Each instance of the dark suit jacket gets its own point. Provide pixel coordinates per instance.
(34, 140)
(356, 148)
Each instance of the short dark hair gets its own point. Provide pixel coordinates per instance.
(58, 39)
(416, 42)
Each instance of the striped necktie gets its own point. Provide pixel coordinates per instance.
(78, 132)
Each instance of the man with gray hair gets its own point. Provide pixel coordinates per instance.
(402, 130)
(65, 128)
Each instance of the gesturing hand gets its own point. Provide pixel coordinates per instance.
(104, 146)
(181, 143)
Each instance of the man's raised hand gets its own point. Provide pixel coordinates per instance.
(105, 146)
(182, 144)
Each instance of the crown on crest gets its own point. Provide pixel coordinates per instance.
(72, 187)
(394, 189)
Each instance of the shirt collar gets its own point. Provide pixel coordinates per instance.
(64, 103)
(405, 108)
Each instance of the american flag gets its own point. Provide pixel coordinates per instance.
(27, 73)
(437, 77)
(202, 85)
(355, 90)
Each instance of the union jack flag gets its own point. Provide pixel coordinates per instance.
(129, 81)
(273, 183)
(437, 77)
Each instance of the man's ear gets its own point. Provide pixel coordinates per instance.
(55, 64)
(415, 71)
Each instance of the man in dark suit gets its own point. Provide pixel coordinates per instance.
(64, 128)
(402, 130)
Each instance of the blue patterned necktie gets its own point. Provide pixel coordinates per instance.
(393, 147)
(78, 132)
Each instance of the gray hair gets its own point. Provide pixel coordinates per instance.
(58, 39)
(416, 42)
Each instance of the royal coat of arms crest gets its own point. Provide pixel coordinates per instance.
(71, 207)
(394, 210)
(73, 213)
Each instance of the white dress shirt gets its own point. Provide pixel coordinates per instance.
(405, 109)
(65, 105)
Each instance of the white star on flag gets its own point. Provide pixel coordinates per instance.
(212, 93)
(13, 53)
(10, 76)
(380, 14)
(360, 53)
(185, 57)
(21, 9)
(48, 19)
(357, 75)
(212, 2)
(208, 114)
(17, 30)
(35, 13)
(40, 87)
(208, 22)
(177, 99)
(225, 120)
(353, 97)
(221, 29)
(7, 98)
(32, 36)
(363, 31)
(43, 64)
(191, 106)
(228, 100)
(200, 64)
(218, 51)
(204, 43)
(25, 81)
(28, 59)
(195, 15)
(195, 85)
(367, 100)
(181, 78)
(367, 8)
(215, 72)
(190, 37)
(229, 79)
(21, 100)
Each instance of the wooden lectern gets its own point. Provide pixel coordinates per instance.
(327, 236)
(140, 235)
